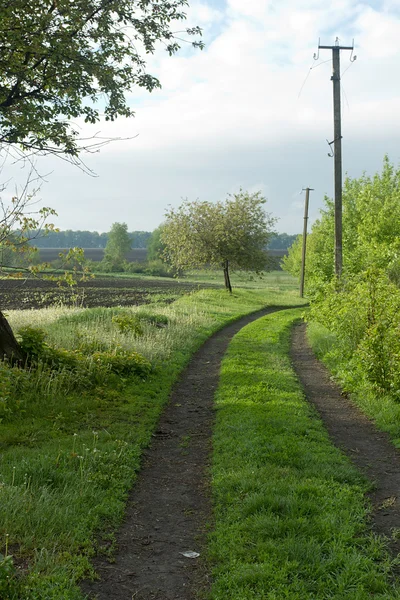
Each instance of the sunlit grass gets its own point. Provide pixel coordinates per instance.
(291, 519)
(273, 280)
(71, 446)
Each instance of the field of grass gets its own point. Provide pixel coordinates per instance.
(274, 280)
(291, 519)
(74, 424)
(382, 408)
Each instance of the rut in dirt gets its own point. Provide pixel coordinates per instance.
(368, 448)
(169, 506)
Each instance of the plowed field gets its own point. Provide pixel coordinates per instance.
(107, 291)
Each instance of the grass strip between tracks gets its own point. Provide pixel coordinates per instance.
(291, 518)
(68, 459)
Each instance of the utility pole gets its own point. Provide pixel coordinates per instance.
(337, 148)
(303, 254)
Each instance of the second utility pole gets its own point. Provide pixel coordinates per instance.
(337, 146)
(303, 251)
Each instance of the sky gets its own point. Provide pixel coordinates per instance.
(253, 110)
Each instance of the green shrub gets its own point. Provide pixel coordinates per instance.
(364, 314)
(32, 341)
(60, 369)
(135, 267)
(153, 319)
(123, 362)
(157, 268)
(128, 323)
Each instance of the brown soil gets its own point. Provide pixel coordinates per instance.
(368, 448)
(102, 291)
(169, 507)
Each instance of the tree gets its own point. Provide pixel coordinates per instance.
(155, 247)
(233, 233)
(281, 241)
(371, 232)
(59, 59)
(140, 238)
(118, 244)
(68, 59)
(17, 222)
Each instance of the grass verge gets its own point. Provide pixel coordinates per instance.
(71, 440)
(382, 408)
(290, 510)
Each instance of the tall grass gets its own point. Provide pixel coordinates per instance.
(71, 443)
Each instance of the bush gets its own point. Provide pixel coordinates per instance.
(111, 265)
(135, 267)
(128, 323)
(42, 356)
(123, 362)
(157, 268)
(32, 341)
(364, 314)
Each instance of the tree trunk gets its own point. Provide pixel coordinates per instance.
(226, 276)
(9, 347)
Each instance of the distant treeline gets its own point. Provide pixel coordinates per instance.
(281, 241)
(94, 239)
(84, 239)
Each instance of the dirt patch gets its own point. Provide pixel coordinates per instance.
(20, 294)
(368, 448)
(169, 506)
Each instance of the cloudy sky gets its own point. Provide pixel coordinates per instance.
(252, 110)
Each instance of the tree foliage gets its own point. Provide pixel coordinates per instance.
(155, 247)
(281, 241)
(20, 222)
(362, 309)
(118, 243)
(67, 59)
(371, 231)
(84, 239)
(233, 233)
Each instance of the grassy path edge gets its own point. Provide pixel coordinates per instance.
(291, 518)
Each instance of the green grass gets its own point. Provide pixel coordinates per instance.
(71, 444)
(380, 407)
(291, 519)
(276, 280)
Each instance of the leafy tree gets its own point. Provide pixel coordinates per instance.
(155, 247)
(371, 231)
(233, 233)
(140, 238)
(61, 58)
(118, 245)
(16, 223)
(361, 308)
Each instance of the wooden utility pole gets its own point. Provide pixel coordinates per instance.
(303, 254)
(337, 147)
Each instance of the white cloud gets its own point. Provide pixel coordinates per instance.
(231, 115)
